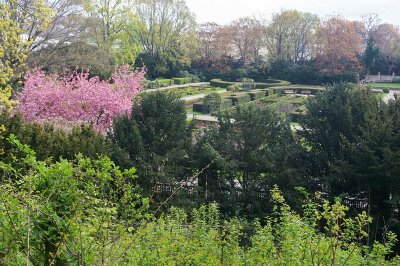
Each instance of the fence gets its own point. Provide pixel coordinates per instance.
(190, 191)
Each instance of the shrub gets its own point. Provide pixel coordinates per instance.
(240, 99)
(232, 88)
(255, 95)
(226, 103)
(198, 107)
(165, 82)
(50, 142)
(257, 85)
(220, 83)
(180, 81)
(151, 84)
(248, 84)
(385, 90)
(212, 102)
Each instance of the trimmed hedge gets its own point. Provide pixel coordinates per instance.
(226, 103)
(239, 99)
(298, 89)
(212, 102)
(165, 82)
(258, 85)
(255, 95)
(180, 81)
(221, 83)
(198, 107)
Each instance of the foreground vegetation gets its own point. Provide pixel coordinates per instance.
(85, 212)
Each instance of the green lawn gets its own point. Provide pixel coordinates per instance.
(385, 85)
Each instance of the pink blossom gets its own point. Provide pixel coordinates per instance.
(77, 98)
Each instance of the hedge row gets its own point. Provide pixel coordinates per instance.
(165, 82)
(180, 81)
(295, 89)
(258, 85)
(174, 81)
(237, 99)
(198, 107)
(255, 95)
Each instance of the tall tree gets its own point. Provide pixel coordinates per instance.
(155, 138)
(166, 32)
(249, 152)
(387, 39)
(339, 43)
(245, 34)
(352, 138)
(19, 23)
(290, 35)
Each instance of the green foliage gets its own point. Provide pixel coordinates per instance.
(283, 238)
(198, 107)
(50, 142)
(212, 102)
(13, 48)
(256, 95)
(226, 104)
(239, 99)
(353, 145)
(248, 152)
(257, 85)
(233, 88)
(180, 81)
(68, 212)
(248, 84)
(385, 90)
(165, 82)
(155, 138)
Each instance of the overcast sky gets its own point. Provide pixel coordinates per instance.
(224, 11)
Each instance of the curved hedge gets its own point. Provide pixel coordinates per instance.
(298, 89)
(258, 85)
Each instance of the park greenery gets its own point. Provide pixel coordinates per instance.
(292, 160)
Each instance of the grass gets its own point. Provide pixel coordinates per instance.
(385, 85)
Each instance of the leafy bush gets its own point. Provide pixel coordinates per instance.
(212, 102)
(165, 82)
(240, 99)
(255, 95)
(257, 85)
(285, 238)
(155, 84)
(248, 84)
(198, 107)
(385, 90)
(51, 142)
(155, 138)
(226, 103)
(62, 213)
(232, 88)
(180, 81)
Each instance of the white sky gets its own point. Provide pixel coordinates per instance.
(224, 11)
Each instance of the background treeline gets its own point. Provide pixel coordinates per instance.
(289, 45)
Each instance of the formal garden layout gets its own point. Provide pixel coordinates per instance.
(131, 134)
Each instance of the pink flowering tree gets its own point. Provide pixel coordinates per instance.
(76, 98)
